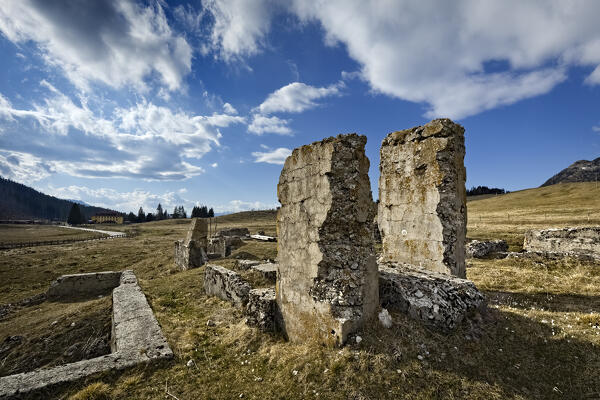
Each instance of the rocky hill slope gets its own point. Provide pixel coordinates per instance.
(579, 171)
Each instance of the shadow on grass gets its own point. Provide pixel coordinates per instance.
(549, 301)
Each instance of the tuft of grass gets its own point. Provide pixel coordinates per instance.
(95, 391)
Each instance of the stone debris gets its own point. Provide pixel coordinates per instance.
(261, 310)
(136, 338)
(487, 249)
(422, 212)
(239, 232)
(191, 252)
(327, 283)
(226, 284)
(385, 318)
(438, 300)
(247, 264)
(267, 270)
(73, 286)
(580, 242)
(222, 246)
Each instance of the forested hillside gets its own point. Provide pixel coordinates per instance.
(18, 201)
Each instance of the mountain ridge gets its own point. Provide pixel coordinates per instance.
(579, 171)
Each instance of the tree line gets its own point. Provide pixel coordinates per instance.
(478, 190)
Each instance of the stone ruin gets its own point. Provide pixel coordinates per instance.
(487, 249)
(582, 242)
(136, 336)
(192, 251)
(328, 281)
(422, 198)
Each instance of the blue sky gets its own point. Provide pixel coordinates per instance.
(126, 104)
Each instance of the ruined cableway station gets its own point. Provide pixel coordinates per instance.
(329, 283)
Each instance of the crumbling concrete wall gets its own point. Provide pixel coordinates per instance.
(422, 212)
(583, 241)
(226, 284)
(327, 283)
(191, 252)
(83, 285)
(262, 311)
(483, 249)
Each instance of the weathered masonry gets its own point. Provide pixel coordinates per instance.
(327, 282)
(422, 212)
(581, 242)
(191, 252)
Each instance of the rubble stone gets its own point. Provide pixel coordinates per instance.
(191, 252)
(247, 264)
(439, 301)
(327, 283)
(267, 270)
(422, 212)
(83, 285)
(226, 284)
(261, 310)
(483, 249)
(581, 242)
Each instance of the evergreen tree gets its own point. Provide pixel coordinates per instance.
(159, 212)
(75, 215)
(141, 215)
(211, 213)
(130, 217)
(150, 217)
(183, 213)
(195, 212)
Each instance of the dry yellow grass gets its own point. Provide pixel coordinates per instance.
(14, 233)
(541, 339)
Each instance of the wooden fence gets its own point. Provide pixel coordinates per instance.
(5, 246)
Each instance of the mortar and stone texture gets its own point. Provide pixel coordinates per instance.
(422, 212)
(261, 310)
(226, 284)
(136, 338)
(486, 248)
(579, 242)
(438, 300)
(327, 283)
(191, 252)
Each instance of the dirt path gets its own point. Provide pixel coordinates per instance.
(109, 233)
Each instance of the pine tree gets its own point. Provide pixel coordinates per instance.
(150, 217)
(159, 212)
(211, 213)
(75, 215)
(141, 215)
(195, 212)
(130, 217)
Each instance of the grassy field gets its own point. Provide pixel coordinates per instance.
(541, 339)
(13, 233)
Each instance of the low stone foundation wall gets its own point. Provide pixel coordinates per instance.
(261, 311)
(267, 270)
(483, 249)
(226, 284)
(136, 338)
(583, 241)
(438, 300)
(83, 285)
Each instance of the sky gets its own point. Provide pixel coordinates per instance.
(123, 103)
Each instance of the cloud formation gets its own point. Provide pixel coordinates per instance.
(143, 141)
(297, 97)
(459, 58)
(261, 124)
(118, 43)
(276, 156)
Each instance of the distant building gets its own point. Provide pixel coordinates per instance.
(107, 217)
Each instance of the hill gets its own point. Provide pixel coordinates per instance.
(18, 201)
(508, 216)
(579, 171)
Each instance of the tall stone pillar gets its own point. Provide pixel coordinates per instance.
(327, 283)
(422, 212)
(191, 252)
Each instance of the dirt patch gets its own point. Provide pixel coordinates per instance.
(52, 334)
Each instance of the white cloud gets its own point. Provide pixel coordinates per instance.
(122, 201)
(23, 167)
(229, 109)
(459, 58)
(596, 128)
(143, 141)
(239, 27)
(118, 43)
(276, 156)
(261, 124)
(297, 97)
(239, 205)
(214, 165)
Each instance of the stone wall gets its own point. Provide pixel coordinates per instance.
(484, 249)
(73, 286)
(327, 283)
(422, 212)
(191, 252)
(583, 241)
(226, 284)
